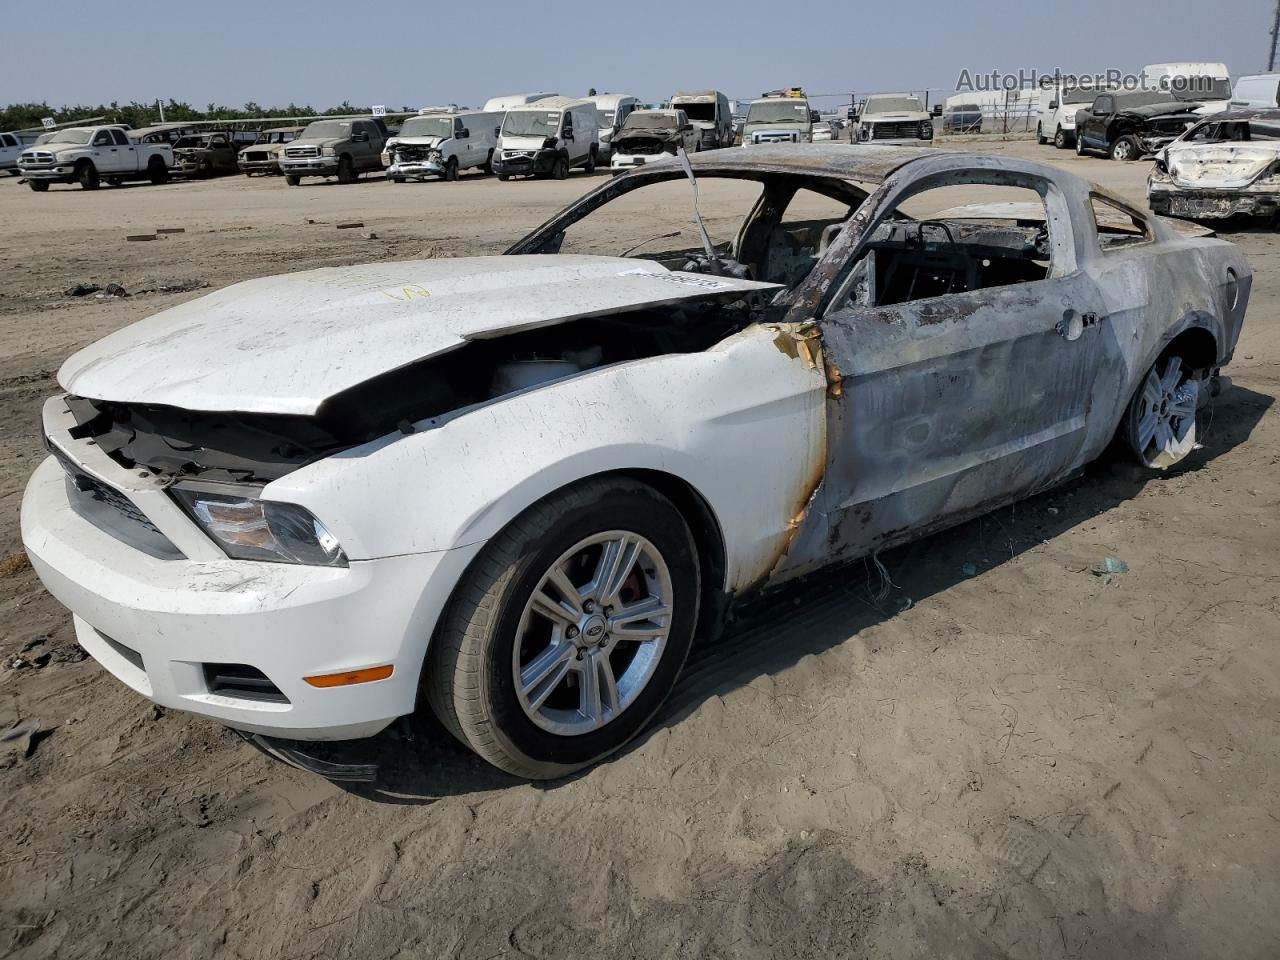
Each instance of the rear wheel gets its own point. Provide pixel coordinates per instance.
(503, 177)
(1160, 423)
(569, 630)
(1040, 137)
(39, 186)
(1079, 145)
(345, 172)
(488, 164)
(591, 161)
(87, 175)
(1126, 148)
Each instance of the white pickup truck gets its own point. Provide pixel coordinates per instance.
(89, 155)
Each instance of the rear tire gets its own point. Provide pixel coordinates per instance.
(1079, 146)
(87, 175)
(1160, 421)
(589, 689)
(503, 177)
(488, 164)
(1040, 137)
(39, 186)
(591, 161)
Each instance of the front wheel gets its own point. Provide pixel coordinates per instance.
(561, 170)
(1060, 139)
(451, 170)
(87, 176)
(1079, 145)
(1126, 148)
(1160, 423)
(38, 186)
(292, 179)
(346, 172)
(569, 630)
(1040, 137)
(591, 162)
(503, 177)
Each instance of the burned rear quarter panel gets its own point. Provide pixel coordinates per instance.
(743, 424)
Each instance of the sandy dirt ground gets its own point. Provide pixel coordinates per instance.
(1005, 756)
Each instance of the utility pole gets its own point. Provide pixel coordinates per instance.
(1275, 32)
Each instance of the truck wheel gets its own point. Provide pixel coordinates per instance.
(292, 179)
(87, 175)
(39, 186)
(1060, 139)
(503, 177)
(345, 172)
(569, 629)
(1126, 148)
(561, 170)
(591, 161)
(450, 170)
(1040, 137)
(1079, 145)
(157, 172)
(488, 164)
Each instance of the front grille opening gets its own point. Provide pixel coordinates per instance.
(242, 681)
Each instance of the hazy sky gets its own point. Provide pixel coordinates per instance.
(324, 52)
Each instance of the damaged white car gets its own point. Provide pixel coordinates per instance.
(1228, 164)
(516, 488)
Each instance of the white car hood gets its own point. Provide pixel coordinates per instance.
(895, 117)
(1223, 165)
(286, 344)
(431, 142)
(512, 142)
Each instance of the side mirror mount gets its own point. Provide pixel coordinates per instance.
(568, 134)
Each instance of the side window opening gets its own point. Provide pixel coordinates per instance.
(808, 226)
(120, 138)
(942, 242)
(1118, 227)
(102, 138)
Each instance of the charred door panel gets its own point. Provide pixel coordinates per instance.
(952, 405)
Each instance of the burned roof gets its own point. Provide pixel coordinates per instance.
(866, 164)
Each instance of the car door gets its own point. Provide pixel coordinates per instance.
(1095, 125)
(948, 405)
(106, 153)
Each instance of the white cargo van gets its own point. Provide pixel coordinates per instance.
(1260, 90)
(612, 110)
(709, 112)
(1208, 84)
(442, 144)
(1056, 119)
(514, 100)
(547, 138)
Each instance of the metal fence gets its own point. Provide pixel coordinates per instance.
(1016, 118)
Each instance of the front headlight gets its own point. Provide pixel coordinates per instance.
(328, 152)
(251, 529)
(435, 155)
(66, 156)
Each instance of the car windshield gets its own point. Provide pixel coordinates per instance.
(1200, 88)
(698, 111)
(427, 127)
(604, 119)
(1239, 131)
(650, 121)
(327, 130)
(72, 135)
(893, 105)
(1078, 95)
(197, 141)
(964, 108)
(778, 111)
(531, 123)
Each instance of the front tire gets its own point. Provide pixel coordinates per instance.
(38, 186)
(1079, 145)
(292, 179)
(1060, 139)
(1160, 422)
(345, 171)
(1126, 149)
(561, 170)
(591, 162)
(87, 175)
(569, 629)
(451, 170)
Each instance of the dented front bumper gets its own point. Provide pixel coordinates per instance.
(1169, 199)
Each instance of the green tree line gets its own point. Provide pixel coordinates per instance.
(20, 116)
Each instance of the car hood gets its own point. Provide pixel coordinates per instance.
(511, 141)
(432, 143)
(286, 344)
(900, 117)
(1226, 165)
(331, 142)
(1169, 108)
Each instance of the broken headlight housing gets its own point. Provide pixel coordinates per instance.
(247, 528)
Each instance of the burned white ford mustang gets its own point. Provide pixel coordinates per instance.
(515, 488)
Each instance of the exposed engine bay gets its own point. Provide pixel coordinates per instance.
(257, 448)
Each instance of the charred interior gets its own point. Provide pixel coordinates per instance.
(257, 448)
